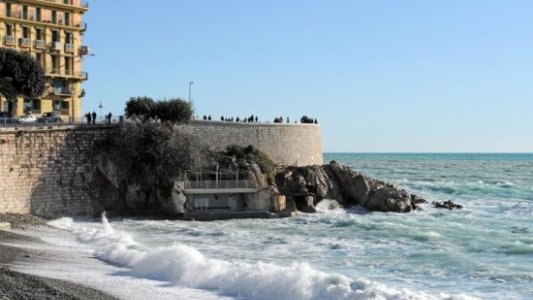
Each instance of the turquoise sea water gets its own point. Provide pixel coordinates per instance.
(483, 251)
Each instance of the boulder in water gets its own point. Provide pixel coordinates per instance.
(447, 204)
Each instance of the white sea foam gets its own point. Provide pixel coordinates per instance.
(186, 267)
(328, 206)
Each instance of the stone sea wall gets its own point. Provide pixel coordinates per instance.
(50, 171)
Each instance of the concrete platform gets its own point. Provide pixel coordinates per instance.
(5, 226)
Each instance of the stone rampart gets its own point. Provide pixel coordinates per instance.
(50, 171)
(287, 144)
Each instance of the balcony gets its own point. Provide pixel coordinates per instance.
(61, 91)
(25, 42)
(57, 72)
(53, 71)
(40, 44)
(83, 6)
(56, 46)
(82, 75)
(9, 40)
(69, 48)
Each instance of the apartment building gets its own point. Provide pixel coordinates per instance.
(51, 31)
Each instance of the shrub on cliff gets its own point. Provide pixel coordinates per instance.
(20, 74)
(248, 154)
(153, 155)
(145, 108)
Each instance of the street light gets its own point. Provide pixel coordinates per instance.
(100, 107)
(190, 84)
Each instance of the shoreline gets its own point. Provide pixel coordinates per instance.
(18, 285)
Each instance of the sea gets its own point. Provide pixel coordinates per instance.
(484, 251)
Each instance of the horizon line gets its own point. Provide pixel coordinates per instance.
(422, 152)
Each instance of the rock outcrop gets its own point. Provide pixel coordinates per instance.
(449, 205)
(303, 188)
(306, 186)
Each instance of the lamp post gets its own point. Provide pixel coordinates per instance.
(100, 107)
(190, 85)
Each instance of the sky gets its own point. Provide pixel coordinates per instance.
(380, 76)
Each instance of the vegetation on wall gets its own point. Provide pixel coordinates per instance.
(145, 109)
(249, 154)
(153, 155)
(20, 74)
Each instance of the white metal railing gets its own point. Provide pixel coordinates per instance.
(83, 3)
(69, 48)
(25, 42)
(10, 39)
(56, 45)
(53, 71)
(220, 184)
(61, 91)
(40, 44)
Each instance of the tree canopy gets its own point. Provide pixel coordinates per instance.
(20, 74)
(145, 108)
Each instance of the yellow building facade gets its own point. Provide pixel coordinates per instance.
(50, 31)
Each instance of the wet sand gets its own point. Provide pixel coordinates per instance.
(16, 285)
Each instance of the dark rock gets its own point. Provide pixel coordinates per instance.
(389, 199)
(447, 204)
(418, 200)
(305, 203)
(334, 181)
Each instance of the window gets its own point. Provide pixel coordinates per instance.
(64, 105)
(39, 34)
(38, 14)
(8, 10)
(68, 65)
(54, 16)
(25, 32)
(25, 12)
(68, 38)
(66, 2)
(9, 29)
(40, 58)
(55, 36)
(67, 18)
(61, 106)
(55, 64)
(32, 105)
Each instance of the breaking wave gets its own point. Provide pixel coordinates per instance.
(184, 266)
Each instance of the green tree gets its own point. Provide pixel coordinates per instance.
(142, 108)
(174, 110)
(20, 74)
(145, 108)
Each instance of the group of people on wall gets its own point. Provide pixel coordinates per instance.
(91, 118)
(255, 119)
(250, 119)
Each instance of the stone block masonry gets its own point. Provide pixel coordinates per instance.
(287, 144)
(49, 172)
